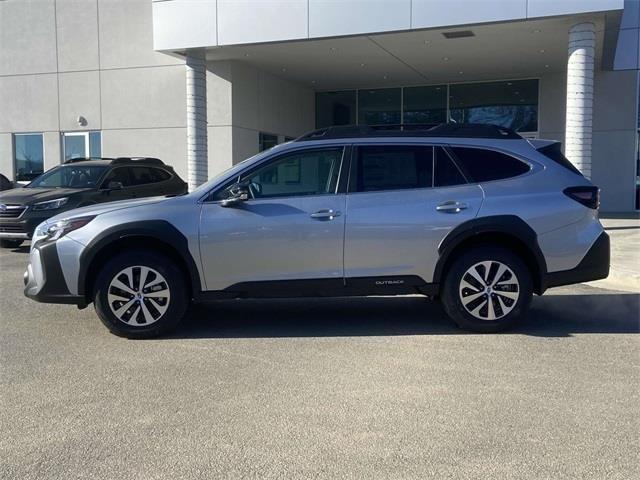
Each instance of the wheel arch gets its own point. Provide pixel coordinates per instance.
(154, 235)
(507, 231)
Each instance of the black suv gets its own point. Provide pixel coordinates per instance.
(80, 182)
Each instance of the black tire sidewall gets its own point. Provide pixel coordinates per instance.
(177, 287)
(451, 298)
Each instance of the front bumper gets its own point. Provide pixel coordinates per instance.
(594, 266)
(44, 280)
(23, 226)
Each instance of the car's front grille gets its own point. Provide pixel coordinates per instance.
(11, 229)
(11, 211)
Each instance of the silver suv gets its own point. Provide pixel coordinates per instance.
(474, 215)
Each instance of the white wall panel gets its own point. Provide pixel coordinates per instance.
(171, 18)
(436, 13)
(545, 8)
(252, 21)
(77, 30)
(29, 103)
(6, 155)
(79, 96)
(346, 17)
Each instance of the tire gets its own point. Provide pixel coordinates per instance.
(129, 315)
(10, 243)
(510, 294)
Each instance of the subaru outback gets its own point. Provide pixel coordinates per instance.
(473, 215)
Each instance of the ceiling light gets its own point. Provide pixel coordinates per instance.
(460, 72)
(246, 54)
(427, 42)
(546, 66)
(363, 64)
(313, 81)
(384, 77)
(541, 50)
(333, 49)
(516, 93)
(445, 59)
(459, 34)
(284, 69)
(536, 30)
(509, 83)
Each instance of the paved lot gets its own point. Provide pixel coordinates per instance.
(348, 388)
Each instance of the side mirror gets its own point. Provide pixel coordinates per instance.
(115, 185)
(238, 193)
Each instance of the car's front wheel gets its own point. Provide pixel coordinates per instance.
(487, 289)
(140, 294)
(10, 243)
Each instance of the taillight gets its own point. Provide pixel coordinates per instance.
(587, 196)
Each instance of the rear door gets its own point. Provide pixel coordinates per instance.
(402, 201)
(121, 175)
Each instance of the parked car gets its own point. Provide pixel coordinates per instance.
(5, 183)
(79, 183)
(476, 216)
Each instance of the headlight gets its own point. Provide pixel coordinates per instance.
(50, 204)
(54, 231)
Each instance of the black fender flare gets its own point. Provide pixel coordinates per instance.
(159, 230)
(510, 225)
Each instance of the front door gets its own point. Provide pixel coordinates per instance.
(402, 201)
(292, 227)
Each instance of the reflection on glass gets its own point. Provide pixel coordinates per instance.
(512, 104)
(74, 146)
(335, 108)
(425, 105)
(379, 107)
(29, 156)
(267, 140)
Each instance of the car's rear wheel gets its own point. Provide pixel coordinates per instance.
(140, 295)
(487, 289)
(10, 243)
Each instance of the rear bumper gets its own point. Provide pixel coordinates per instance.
(44, 281)
(594, 266)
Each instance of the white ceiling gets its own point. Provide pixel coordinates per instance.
(497, 51)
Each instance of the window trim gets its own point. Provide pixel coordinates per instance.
(206, 198)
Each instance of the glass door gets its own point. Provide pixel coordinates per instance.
(81, 145)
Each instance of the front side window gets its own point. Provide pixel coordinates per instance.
(310, 172)
(394, 167)
(28, 156)
(482, 165)
(70, 176)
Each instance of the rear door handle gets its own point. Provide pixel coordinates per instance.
(451, 207)
(325, 214)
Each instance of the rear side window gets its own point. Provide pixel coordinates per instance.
(142, 175)
(118, 175)
(446, 173)
(159, 175)
(554, 152)
(394, 167)
(481, 165)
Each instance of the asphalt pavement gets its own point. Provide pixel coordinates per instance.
(328, 388)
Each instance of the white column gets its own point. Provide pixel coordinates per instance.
(196, 119)
(579, 125)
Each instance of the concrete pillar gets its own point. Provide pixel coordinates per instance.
(196, 119)
(579, 124)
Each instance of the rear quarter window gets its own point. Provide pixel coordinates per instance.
(554, 152)
(482, 165)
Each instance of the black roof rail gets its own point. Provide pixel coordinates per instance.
(458, 130)
(147, 160)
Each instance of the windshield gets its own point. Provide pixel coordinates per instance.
(70, 176)
(228, 172)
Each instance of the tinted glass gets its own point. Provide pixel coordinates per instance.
(480, 165)
(29, 156)
(312, 172)
(390, 167)
(379, 107)
(335, 108)
(70, 176)
(141, 175)
(425, 104)
(160, 175)
(118, 175)
(512, 104)
(446, 174)
(95, 144)
(267, 140)
(554, 152)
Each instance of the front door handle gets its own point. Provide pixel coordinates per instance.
(325, 214)
(451, 207)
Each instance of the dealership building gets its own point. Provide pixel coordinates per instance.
(204, 84)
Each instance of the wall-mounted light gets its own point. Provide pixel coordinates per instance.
(81, 121)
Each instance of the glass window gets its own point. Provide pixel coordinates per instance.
(512, 104)
(394, 167)
(141, 175)
(379, 107)
(95, 144)
(160, 175)
(424, 104)
(267, 140)
(70, 176)
(118, 175)
(481, 165)
(446, 173)
(335, 108)
(28, 155)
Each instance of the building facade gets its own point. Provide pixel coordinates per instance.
(203, 84)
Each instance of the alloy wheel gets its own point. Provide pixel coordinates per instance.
(138, 295)
(489, 290)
